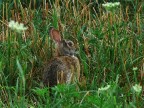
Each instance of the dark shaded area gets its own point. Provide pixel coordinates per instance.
(133, 6)
(50, 73)
(36, 4)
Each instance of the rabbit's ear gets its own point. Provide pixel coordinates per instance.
(55, 35)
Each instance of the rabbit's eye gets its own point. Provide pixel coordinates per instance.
(70, 43)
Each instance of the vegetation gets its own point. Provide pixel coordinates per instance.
(110, 47)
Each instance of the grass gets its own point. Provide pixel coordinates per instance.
(109, 47)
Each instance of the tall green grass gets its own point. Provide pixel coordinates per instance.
(109, 46)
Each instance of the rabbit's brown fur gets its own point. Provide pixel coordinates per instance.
(66, 67)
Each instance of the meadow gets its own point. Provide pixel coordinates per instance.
(110, 47)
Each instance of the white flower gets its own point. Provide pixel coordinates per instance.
(135, 68)
(104, 88)
(111, 6)
(18, 27)
(137, 88)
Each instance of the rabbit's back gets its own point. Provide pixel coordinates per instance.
(64, 69)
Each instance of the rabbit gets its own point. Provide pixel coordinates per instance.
(65, 67)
